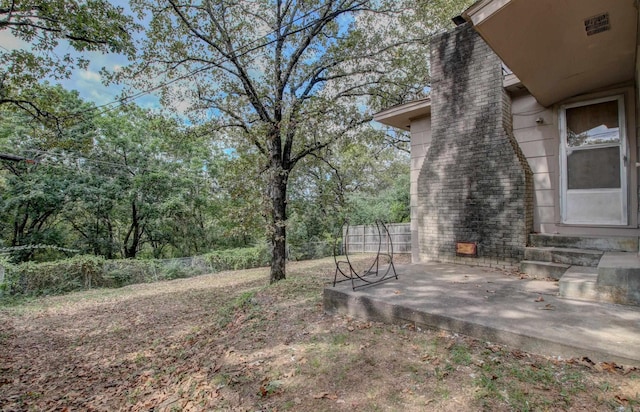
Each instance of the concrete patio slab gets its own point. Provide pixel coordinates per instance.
(494, 306)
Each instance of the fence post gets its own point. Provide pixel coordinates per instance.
(387, 238)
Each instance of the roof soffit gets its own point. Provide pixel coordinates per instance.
(400, 116)
(546, 45)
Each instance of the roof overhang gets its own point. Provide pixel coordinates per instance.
(560, 49)
(401, 116)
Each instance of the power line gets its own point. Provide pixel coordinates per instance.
(113, 168)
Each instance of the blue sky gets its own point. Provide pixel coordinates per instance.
(88, 82)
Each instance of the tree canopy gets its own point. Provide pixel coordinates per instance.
(41, 26)
(284, 79)
(120, 184)
(279, 95)
(132, 183)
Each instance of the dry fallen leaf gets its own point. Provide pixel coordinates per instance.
(621, 399)
(326, 395)
(539, 299)
(587, 361)
(610, 366)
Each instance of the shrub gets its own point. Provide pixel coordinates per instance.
(313, 249)
(87, 272)
(6, 270)
(80, 272)
(124, 272)
(238, 258)
(175, 271)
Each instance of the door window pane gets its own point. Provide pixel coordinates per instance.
(597, 168)
(593, 124)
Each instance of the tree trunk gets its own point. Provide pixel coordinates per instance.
(130, 250)
(278, 195)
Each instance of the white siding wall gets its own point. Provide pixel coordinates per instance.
(420, 142)
(539, 142)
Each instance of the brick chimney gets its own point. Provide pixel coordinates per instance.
(475, 184)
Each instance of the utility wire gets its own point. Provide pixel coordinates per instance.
(113, 168)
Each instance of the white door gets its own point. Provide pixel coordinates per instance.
(594, 162)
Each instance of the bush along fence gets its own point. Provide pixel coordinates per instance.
(87, 272)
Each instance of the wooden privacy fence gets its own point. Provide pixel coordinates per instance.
(365, 238)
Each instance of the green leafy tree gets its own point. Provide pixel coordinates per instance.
(289, 78)
(241, 210)
(41, 185)
(361, 180)
(40, 26)
(122, 184)
(147, 185)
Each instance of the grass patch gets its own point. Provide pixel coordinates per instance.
(460, 354)
(529, 386)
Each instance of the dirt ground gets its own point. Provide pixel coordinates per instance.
(228, 341)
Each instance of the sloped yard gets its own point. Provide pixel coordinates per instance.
(229, 342)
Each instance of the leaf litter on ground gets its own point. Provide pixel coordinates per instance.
(230, 342)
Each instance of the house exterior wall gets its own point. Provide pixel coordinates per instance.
(475, 184)
(540, 143)
(420, 142)
(536, 130)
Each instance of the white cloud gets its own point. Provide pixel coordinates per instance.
(10, 42)
(90, 76)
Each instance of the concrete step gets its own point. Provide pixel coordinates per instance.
(604, 243)
(544, 269)
(579, 283)
(568, 256)
(619, 277)
(615, 280)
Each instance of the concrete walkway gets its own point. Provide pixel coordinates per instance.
(496, 307)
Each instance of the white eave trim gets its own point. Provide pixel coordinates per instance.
(512, 83)
(400, 116)
(483, 9)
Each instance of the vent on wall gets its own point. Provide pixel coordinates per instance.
(597, 24)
